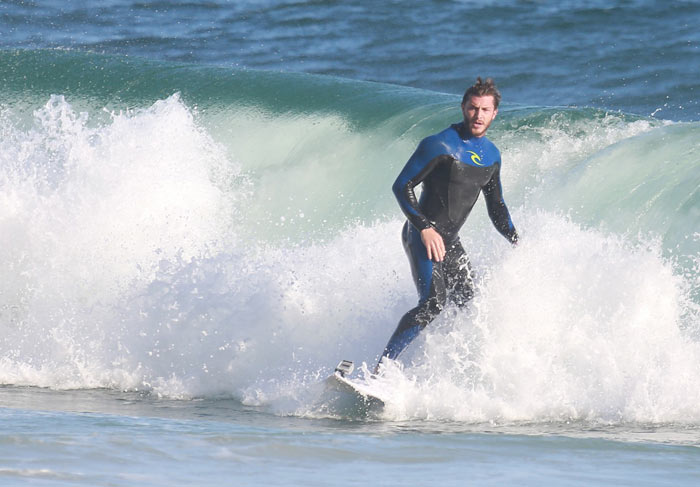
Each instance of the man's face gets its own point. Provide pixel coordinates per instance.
(479, 112)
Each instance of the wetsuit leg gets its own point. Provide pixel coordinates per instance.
(459, 276)
(430, 282)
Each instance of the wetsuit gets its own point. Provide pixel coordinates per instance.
(454, 168)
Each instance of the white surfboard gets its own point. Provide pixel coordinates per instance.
(340, 381)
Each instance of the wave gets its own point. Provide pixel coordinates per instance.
(198, 231)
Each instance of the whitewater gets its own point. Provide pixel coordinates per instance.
(196, 225)
(150, 250)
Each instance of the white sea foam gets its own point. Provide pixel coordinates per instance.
(88, 216)
(131, 265)
(573, 324)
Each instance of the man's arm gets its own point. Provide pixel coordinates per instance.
(496, 206)
(421, 163)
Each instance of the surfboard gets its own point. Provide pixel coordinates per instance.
(340, 381)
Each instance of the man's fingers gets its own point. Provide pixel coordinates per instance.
(433, 254)
(441, 248)
(438, 251)
(433, 244)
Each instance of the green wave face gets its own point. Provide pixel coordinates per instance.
(329, 148)
(197, 231)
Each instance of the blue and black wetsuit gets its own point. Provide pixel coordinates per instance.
(454, 168)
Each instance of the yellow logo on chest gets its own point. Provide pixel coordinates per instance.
(476, 158)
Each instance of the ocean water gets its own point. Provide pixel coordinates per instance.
(196, 225)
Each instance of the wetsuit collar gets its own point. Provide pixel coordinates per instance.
(463, 131)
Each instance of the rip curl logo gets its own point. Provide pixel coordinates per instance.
(476, 158)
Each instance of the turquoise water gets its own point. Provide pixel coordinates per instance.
(130, 439)
(196, 226)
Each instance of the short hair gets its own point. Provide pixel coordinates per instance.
(483, 88)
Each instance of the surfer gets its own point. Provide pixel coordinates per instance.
(454, 167)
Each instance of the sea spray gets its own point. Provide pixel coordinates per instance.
(89, 215)
(166, 249)
(574, 324)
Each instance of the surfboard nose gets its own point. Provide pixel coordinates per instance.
(345, 367)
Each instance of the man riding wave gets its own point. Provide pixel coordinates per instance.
(454, 167)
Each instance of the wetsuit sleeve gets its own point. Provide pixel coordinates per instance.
(421, 163)
(498, 211)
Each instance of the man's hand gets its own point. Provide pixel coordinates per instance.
(433, 242)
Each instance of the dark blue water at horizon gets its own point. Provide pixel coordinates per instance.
(639, 57)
